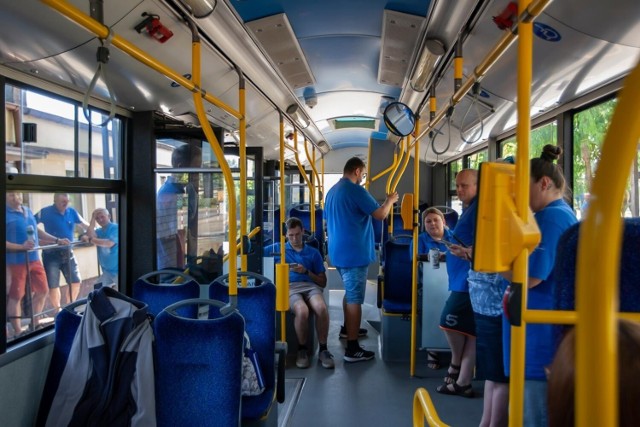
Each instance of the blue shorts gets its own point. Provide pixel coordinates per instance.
(457, 314)
(355, 282)
(58, 261)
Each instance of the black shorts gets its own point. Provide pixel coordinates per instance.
(457, 314)
(489, 361)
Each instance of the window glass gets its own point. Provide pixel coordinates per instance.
(41, 138)
(540, 136)
(85, 262)
(589, 130)
(476, 158)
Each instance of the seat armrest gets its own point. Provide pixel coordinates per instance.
(281, 353)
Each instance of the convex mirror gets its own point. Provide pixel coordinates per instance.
(399, 119)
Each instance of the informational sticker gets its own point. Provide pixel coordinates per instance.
(545, 32)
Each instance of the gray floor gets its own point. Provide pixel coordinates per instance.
(371, 393)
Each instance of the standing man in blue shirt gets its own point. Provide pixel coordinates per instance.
(60, 220)
(105, 238)
(349, 209)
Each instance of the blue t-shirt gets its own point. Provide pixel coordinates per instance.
(59, 224)
(426, 242)
(553, 220)
(308, 257)
(348, 212)
(458, 268)
(16, 230)
(108, 257)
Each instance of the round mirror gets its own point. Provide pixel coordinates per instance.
(399, 119)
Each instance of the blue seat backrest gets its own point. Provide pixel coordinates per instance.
(258, 307)
(397, 275)
(161, 295)
(398, 226)
(303, 213)
(66, 326)
(565, 269)
(198, 368)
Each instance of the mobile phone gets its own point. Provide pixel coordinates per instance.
(460, 242)
(293, 265)
(447, 243)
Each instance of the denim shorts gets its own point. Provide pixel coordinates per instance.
(355, 282)
(55, 263)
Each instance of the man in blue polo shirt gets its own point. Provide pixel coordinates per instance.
(105, 237)
(349, 209)
(306, 282)
(60, 220)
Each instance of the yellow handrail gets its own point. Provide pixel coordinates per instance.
(282, 269)
(423, 408)
(414, 255)
(243, 176)
(312, 204)
(597, 297)
(253, 232)
(520, 265)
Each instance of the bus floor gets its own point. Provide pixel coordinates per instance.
(371, 393)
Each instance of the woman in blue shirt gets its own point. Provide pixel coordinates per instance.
(554, 216)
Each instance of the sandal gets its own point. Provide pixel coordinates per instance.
(458, 390)
(433, 360)
(452, 377)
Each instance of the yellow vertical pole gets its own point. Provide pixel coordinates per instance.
(226, 171)
(414, 255)
(520, 267)
(322, 180)
(396, 164)
(243, 176)
(312, 201)
(282, 269)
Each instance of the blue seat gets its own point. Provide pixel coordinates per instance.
(257, 304)
(303, 213)
(198, 366)
(565, 270)
(397, 275)
(450, 216)
(160, 295)
(66, 325)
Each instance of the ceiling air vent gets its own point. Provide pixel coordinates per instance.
(399, 34)
(280, 43)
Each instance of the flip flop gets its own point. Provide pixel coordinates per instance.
(433, 360)
(458, 390)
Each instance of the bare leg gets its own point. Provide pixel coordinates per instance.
(352, 318)
(300, 322)
(500, 405)
(468, 361)
(456, 343)
(13, 312)
(75, 290)
(487, 404)
(54, 297)
(322, 317)
(38, 305)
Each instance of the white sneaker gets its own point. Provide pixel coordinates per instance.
(326, 358)
(302, 360)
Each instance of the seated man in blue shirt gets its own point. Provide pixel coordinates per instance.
(307, 279)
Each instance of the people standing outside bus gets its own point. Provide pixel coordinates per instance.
(431, 238)
(21, 238)
(349, 208)
(170, 244)
(307, 279)
(457, 319)
(553, 216)
(105, 237)
(60, 220)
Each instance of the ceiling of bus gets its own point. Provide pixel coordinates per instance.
(336, 47)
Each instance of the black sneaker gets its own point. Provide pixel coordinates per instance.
(362, 332)
(358, 355)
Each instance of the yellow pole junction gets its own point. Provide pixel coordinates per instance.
(385, 171)
(423, 409)
(282, 268)
(597, 271)
(311, 157)
(520, 265)
(102, 31)
(312, 204)
(405, 162)
(414, 255)
(396, 164)
(251, 234)
(226, 171)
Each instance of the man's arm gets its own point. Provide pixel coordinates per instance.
(319, 279)
(382, 212)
